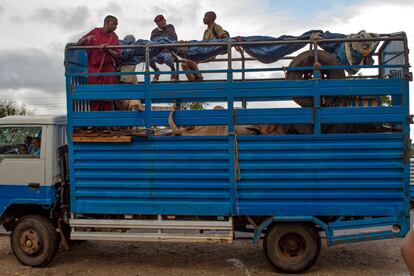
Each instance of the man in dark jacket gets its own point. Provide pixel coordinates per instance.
(165, 57)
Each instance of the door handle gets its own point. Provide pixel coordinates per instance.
(34, 186)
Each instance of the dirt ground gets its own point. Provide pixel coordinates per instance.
(239, 258)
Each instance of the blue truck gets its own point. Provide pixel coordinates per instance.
(337, 168)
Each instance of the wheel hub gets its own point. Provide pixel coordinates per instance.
(291, 246)
(30, 242)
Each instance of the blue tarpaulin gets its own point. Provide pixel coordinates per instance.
(263, 53)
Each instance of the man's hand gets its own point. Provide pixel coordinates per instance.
(102, 47)
(86, 39)
(89, 38)
(112, 52)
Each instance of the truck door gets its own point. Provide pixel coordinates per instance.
(22, 165)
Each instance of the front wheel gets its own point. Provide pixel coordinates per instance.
(292, 247)
(34, 241)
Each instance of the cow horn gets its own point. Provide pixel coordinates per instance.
(175, 130)
(256, 130)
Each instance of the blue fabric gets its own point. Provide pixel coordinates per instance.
(273, 53)
(137, 55)
(36, 152)
(165, 57)
(263, 53)
(201, 53)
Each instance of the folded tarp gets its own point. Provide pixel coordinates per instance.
(273, 53)
(347, 54)
(195, 53)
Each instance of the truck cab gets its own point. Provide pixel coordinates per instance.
(28, 164)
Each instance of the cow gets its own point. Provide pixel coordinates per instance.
(128, 105)
(222, 129)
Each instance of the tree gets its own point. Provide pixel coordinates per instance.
(9, 108)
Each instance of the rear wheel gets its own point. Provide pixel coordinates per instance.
(292, 247)
(34, 241)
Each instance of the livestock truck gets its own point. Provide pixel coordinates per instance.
(337, 169)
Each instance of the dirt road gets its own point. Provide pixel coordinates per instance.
(240, 258)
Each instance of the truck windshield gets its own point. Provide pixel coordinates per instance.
(20, 141)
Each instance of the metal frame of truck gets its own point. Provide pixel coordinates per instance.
(287, 187)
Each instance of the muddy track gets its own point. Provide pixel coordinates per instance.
(240, 258)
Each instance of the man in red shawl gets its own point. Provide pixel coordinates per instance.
(102, 60)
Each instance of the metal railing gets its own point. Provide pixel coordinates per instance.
(313, 45)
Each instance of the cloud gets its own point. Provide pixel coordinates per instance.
(16, 19)
(31, 68)
(35, 76)
(112, 8)
(394, 2)
(37, 101)
(178, 15)
(64, 18)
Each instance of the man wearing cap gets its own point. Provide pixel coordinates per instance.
(214, 31)
(165, 57)
(102, 60)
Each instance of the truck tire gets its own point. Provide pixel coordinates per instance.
(307, 59)
(292, 247)
(34, 241)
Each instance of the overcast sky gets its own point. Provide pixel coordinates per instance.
(34, 33)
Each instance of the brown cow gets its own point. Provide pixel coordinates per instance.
(129, 105)
(222, 130)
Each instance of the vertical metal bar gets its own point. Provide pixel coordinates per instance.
(71, 152)
(177, 64)
(147, 57)
(177, 105)
(232, 132)
(316, 108)
(243, 63)
(147, 93)
(405, 227)
(316, 65)
(244, 102)
(406, 69)
(229, 61)
(315, 51)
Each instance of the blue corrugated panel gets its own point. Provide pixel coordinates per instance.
(361, 176)
(162, 175)
(290, 176)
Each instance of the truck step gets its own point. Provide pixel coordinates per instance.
(152, 230)
(160, 237)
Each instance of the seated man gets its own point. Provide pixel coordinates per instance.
(28, 142)
(23, 149)
(35, 150)
(165, 57)
(214, 31)
(128, 68)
